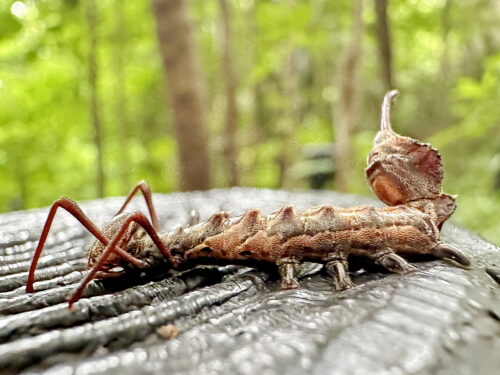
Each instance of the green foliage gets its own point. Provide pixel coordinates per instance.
(9, 25)
(473, 143)
(287, 54)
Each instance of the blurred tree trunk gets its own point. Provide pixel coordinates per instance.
(187, 91)
(254, 134)
(446, 27)
(347, 103)
(93, 74)
(121, 112)
(384, 44)
(288, 123)
(231, 84)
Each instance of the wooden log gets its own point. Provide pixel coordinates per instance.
(236, 320)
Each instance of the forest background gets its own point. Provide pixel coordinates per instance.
(96, 95)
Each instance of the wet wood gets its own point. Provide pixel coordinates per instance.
(437, 320)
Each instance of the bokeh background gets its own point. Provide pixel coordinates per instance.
(96, 95)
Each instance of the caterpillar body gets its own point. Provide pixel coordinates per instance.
(404, 173)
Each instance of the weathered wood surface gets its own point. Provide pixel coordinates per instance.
(235, 320)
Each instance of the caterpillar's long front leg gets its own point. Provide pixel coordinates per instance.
(111, 248)
(146, 192)
(75, 210)
(289, 268)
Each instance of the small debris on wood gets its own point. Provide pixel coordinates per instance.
(168, 331)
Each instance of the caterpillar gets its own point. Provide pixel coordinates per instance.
(403, 173)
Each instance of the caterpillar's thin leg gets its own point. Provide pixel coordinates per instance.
(75, 210)
(338, 268)
(111, 248)
(394, 263)
(146, 192)
(289, 269)
(447, 251)
(107, 275)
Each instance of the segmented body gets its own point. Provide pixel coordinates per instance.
(404, 173)
(314, 235)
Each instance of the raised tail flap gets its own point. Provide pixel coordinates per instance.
(402, 169)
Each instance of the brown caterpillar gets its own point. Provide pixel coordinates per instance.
(404, 173)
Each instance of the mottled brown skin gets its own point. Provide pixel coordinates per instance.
(403, 173)
(97, 248)
(322, 234)
(316, 233)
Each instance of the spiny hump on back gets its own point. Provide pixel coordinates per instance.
(321, 219)
(216, 223)
(326, 212)
(402, 169)
(249, 223)
(250, 218)
(286, 222)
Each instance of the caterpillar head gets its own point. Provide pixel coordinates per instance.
(402, 169)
